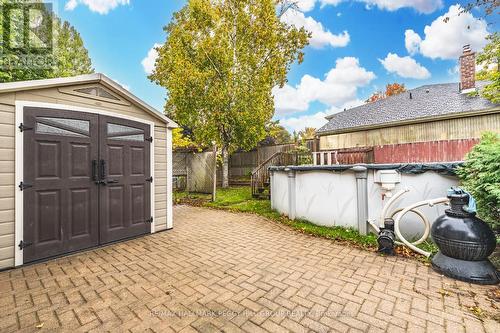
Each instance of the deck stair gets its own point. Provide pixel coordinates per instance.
(260, 180)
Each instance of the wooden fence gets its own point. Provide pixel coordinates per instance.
(193, 171)
(418, 152)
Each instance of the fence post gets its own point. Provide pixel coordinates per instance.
(291, 193)
(214, 175)
(361, 174)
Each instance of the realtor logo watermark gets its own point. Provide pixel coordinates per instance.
(27, 38)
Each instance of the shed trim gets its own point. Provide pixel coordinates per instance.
(19, 163)
(83, 79)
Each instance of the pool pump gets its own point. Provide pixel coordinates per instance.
(386, 237)
(464, 242)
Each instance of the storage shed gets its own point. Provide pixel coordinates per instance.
(83, 162)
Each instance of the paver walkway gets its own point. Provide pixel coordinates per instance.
(219, 271)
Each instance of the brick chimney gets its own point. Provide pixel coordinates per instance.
(467, 70)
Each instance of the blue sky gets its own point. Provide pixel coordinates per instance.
(358, 46)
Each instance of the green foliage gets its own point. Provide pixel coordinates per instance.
(181, 140)
(307, 133)
(480, 175)
(219, 63)
(489, 60)
(275, 134)
(69, 53)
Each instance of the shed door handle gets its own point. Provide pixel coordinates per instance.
(102, 170)
(95, 178)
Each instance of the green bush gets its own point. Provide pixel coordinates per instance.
(480, 175)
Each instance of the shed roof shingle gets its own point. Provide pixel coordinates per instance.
(427, 101)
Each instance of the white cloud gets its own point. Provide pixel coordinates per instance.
(444, 40)
(339, 86)
(412, 41)
(405, 67)
(99, 6)
(329, 2)
(286, 100)
(320, 36)
(308, 5)
(148, 63)
(421, 6)
(299, 123)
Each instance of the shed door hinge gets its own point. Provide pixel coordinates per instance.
(150, 139)
(150, 220)
(150, 179)
(23, 128)
(23, 186)
(23, 244)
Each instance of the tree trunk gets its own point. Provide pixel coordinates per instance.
(225, 168)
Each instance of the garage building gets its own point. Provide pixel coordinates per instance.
(83, 162)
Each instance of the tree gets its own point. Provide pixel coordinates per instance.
(70, 57)
(489, 60)
(71, 54)
(394, 88)
(219, 63)
(391, 89)
(307, 133)
(181, 139)
(480, 175)
(489, 6)
(378, 95)
(275, 134)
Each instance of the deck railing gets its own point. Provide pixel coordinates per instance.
(260, 175)
(343, 156)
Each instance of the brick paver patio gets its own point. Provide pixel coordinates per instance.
(219, 271)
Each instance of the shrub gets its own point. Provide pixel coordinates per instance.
(480, 175)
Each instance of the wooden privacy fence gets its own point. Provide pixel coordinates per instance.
(416, 152)
(241, 164)
(193, 171)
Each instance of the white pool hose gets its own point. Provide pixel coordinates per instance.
(405, 210)
(389, 204)
(427, 225)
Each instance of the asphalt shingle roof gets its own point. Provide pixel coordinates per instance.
(427, 101)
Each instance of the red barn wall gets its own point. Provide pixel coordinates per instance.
(430, 151)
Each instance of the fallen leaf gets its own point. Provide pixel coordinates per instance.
(444, 292)
(476, 310)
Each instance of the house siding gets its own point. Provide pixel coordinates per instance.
(7, 156)
(440, 130)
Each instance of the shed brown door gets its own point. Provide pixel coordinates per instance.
(125, 197)
(60, 199)
(86, 181)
